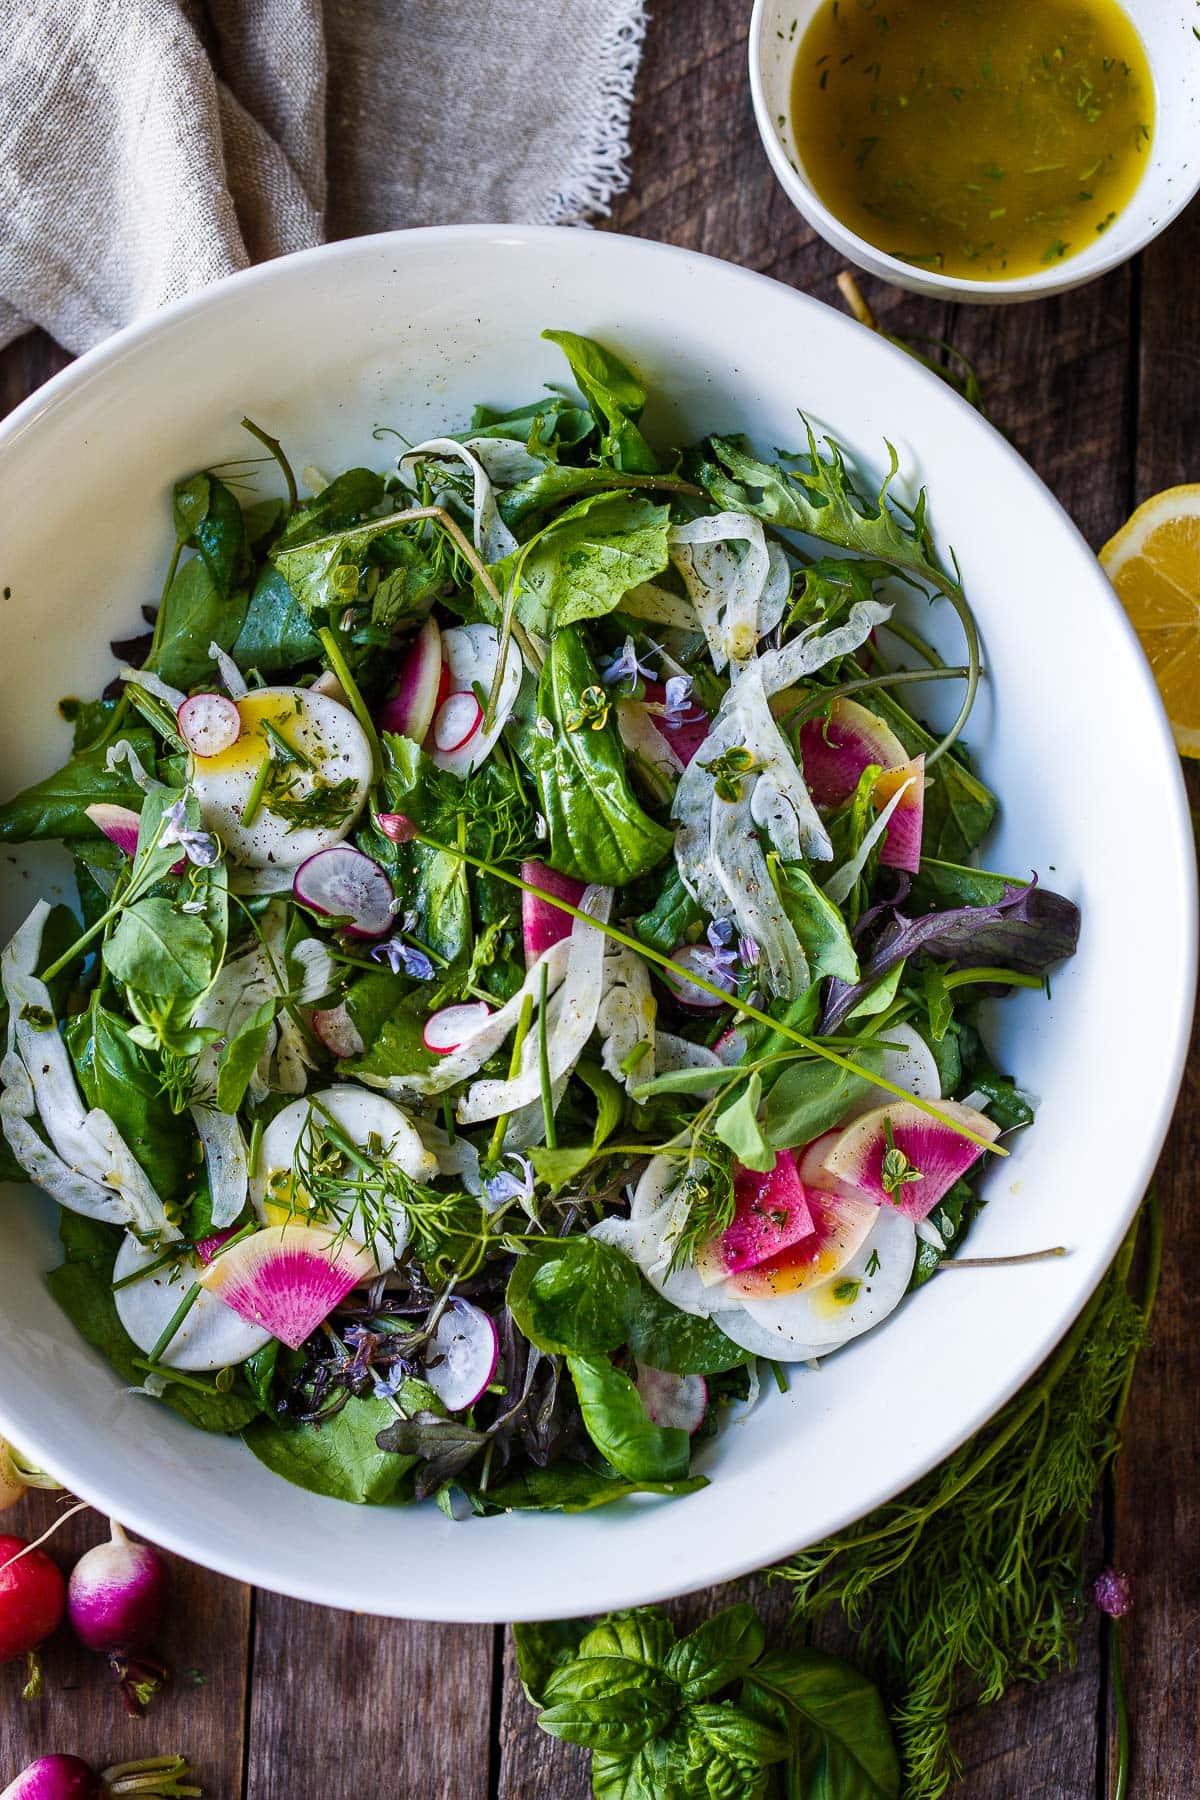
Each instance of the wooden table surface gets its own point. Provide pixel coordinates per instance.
(276, 1700)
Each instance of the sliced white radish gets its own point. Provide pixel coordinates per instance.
(411, 708)
(209, 723)
(342, 883)
(370, 1121)
(865, 1289)
(910, 1065)
(461, 1358)
(458, 719)
(677, 1402)
(731, 1047)
(321, 764)
(471, 654)
(120, 824)
(210, 1337)
(235, 682)
(337, 1031)
(762, 1340)
(225, 1159)
(453, 1026)
(287, 1278)
(328, 684)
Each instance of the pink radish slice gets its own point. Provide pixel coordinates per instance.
(939, 1154)
(209, 723)
(542, 923)
(699, 958)
(341, 883)
(119, 824)
(337, 1031)
(206, 1248)
(684, 737)
(449, 1029)
(462, 1354)
(458, 719)
(411, 708)
(836, 750)
(677, 1402)
(396, 827)
(772, 1213)
(287, 1278)
(901, 848)
(730, 1047)
(55, 1778)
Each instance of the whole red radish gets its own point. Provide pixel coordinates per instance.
(55, 1778)
(33, 1597)
(67, 1778)
(116, 1599)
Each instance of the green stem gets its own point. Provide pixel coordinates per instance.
(967, 620)
(812, 1045)
(258, 788)
(330, 643)
(524, 1020)
(1009, 977)
(174, 1376)
(277, 451)
(544, 1066)
(1121, 1710)
(897, 678)
(174, 1324)
(81, 943)
(915, 642)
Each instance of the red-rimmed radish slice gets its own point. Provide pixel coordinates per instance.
(771, 1214)
(337, 1031)
(55, 1777)
(836, 750)
(686, 732)
(730, 1047)
(461, 1358)
(813, 1173)
(451, 1028)
(901, 847)
(210, 1337)
(542, 923)
(209, 723)
(458, 719)
(120, 824)
(471, 654)
(675, 1402)
(936, 1154)
(396, 827)
(342, 883)
(697, 958)
(411, 708)
(287, 1278)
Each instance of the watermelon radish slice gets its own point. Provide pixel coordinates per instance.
(462, 1354)
(341, 883)
(685, 731)
(542, 923)
(772, 1213)
(287, 1278)
(209, 723)
(449, 1029)
(120, 824)
(836, 750)
(411, 708)
(933, 1153)
(840, 1225)
(210, 1336)
(901, 848)
(676, 1402)
(458, 719)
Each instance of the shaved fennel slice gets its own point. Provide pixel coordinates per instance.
(777, 590)
(842, 881)
(505, 460)
(813, 649)
(671, 1053)
(231, 675)
(626, 1016)
(470, 1056)
(571, 1019)
(492, 537)
(658, 607)
(153, 684)
(225, 1160)
(750, 894)
(87, 1166)
(241, 987)
(652, 758)
(123, 753)
(726, 587)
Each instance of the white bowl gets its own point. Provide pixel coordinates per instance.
(409, 330)
(1171, 177)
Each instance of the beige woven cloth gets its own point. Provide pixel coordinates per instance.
(149, 146)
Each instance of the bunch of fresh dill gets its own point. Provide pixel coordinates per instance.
(975, 1578)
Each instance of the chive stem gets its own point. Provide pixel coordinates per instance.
(174, 1324)
(254, 798)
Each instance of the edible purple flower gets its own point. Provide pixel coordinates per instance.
(505, 1186)
(403, 959)
(626, 667)
(200, 847)
(747, 952)
(678, 699)
(1113, 1593)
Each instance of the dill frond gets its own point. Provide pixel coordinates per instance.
(707, 1192)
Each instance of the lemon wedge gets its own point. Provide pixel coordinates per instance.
(1154, 564)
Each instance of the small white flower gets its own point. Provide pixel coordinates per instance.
(200, 847)
(678, 699)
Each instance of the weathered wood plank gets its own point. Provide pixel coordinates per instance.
(201, 1714)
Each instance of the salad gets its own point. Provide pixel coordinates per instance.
(526, 954)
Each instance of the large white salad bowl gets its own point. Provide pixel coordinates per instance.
(409, 331)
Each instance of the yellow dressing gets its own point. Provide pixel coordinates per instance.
(985, 138)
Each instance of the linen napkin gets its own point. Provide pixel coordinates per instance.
(149, 146)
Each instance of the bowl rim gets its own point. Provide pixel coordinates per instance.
(881, 263)
(728, 1562)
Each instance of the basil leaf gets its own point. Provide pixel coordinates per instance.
(737, 1125)
(620, 1722)
(591, 1678)
(615, 1419)
(543, 1647)
(598, 831)
(812, 1097)
(842, 1742)
(583, 564)
(615, 398)
(735, 1734)
(241, 1056)
(717, 1652)
(616, 1777)
(642, 1634)
(56, 807)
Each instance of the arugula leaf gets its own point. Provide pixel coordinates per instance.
(545, 426)
(585, 561)
(341, 1457)
(616, 1421)
(275, 635)
(56, 807)
(717, 1652)
(127, 1083)
(842, 1742)
(615, 397)
(598, 832)
(812, 1097)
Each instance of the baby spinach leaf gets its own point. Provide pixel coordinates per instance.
(817, 923)
(571, 1487)
(127, 1083)
(598, 832)
(340, 1458)
(543, 1647)
(57, 806)
(584, 563)
(841, 1740)
(195, 613)
(812, 1097)
(209, 520)
(275, 635)
(241, 1055)
(738, 1126)
(615, 397)
(668, 920)
(717, 1652)
(616, 1421)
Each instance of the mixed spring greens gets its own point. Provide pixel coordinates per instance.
(525, 959)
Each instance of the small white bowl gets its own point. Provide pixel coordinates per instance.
(1170, 179)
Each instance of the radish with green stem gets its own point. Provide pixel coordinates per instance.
(33, 1598)
(70, 1778)
(116, 1599)
(17, 1476)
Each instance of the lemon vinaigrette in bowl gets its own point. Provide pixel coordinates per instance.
(983, 138)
